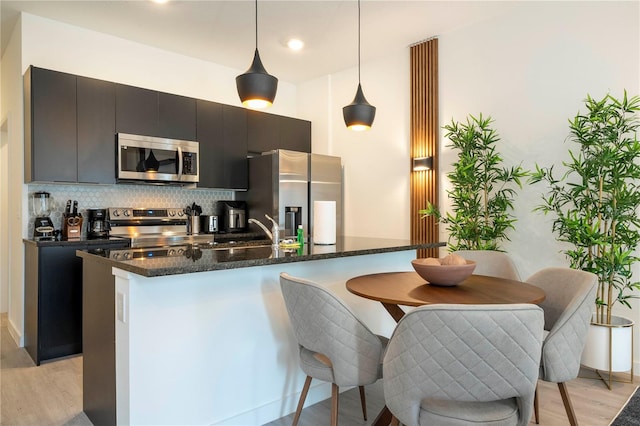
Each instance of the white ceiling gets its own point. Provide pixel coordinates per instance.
(223, 32)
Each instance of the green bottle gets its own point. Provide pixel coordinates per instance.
(300, 235)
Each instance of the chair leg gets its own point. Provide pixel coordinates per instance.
(303, 396)
(536, 410)
(334, 404)
(364, 403)
(573, 421)
(395, 421)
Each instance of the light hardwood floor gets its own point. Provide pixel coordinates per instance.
(51, 394)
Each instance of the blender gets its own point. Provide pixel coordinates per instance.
(43, 227)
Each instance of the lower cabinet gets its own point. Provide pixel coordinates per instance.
(53, 300)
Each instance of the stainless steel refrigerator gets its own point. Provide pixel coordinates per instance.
(284, 184)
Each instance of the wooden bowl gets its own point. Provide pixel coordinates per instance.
(443, 275)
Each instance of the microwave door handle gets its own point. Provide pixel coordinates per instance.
(179, 163)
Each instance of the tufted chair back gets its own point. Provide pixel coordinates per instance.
(462, 364)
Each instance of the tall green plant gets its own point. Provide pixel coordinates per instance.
(483, 191)
(596, 201)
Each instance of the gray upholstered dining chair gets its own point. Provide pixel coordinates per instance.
(492, 263)
(569, 302)
(464, 365)
(334, 345)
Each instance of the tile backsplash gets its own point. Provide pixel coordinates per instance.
(122, 195)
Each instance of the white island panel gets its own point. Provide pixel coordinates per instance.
(217, 347)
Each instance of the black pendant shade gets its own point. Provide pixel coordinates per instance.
(256, 87)
(359, 114)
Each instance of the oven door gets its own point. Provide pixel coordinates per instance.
(156, 160)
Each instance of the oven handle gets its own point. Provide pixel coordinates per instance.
(179, 162)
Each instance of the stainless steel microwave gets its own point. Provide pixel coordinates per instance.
(157, 160)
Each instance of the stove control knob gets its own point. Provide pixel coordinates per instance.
(180, 251)
(171, 252)
(172, 213)
(116, 256)
(180, 213)
(126, 213)
(116, 213)
(126, 256)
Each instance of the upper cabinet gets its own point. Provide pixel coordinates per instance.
(96, 115)
(71, 124)
(222, 134)
(151, 113)
(50, 126)
(267, 132)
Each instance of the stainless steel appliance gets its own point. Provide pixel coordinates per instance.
(97, 224)
(43, 226)
(233, 215)
(208, 224)
(150, 227)
(284, 184)
(157, 160)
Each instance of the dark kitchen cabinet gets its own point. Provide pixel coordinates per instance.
(267, 132)
(176, 117)
(53, 302)
(222, 135)
(96, 121)
(53, 297)
(150, 113)
(50, 126)
(236, 166)
(295, 134)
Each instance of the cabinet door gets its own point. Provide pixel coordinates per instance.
(236, 166)
(263, 132)
(176, 117)
(60, 302)
(211, 144)
(50, 115)
(136, 111)
(96, 102)
(295, 134)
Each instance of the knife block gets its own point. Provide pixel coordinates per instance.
(71, 227)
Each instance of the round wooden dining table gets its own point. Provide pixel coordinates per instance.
(393, 289)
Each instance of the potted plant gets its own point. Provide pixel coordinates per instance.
(483, 191)
(595, 203)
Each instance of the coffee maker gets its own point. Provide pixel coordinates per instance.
(97, 224)
(43, 226)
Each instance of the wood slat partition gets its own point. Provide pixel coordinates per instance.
(424, 135)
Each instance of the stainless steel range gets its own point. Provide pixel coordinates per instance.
(161, 227)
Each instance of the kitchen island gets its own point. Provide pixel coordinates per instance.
(204, 338)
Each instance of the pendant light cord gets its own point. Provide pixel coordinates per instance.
(257, 24)
(358, 41)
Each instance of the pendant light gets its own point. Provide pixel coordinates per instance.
(256, 87)
(359, 114)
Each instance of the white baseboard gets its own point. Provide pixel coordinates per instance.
(281, 407)
(15, 334)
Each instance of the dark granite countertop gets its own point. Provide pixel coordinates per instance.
(221, 237)
(111, 241)
(201, 258)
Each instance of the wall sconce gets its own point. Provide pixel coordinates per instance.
(422, 163)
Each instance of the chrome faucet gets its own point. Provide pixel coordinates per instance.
(274, 234)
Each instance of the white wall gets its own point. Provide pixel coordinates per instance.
(13, 192)
(376, 162)
(530, 71)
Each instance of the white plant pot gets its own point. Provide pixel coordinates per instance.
(597, 350)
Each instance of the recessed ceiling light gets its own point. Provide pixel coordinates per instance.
(160, 1)
(295, 44)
